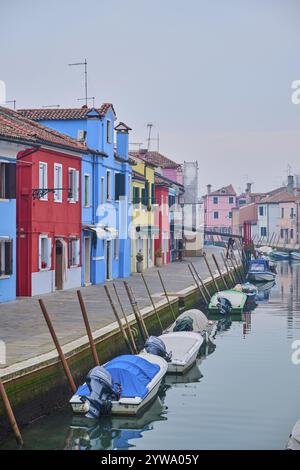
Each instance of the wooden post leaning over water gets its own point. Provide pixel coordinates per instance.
(198, 285)
(229, 272)
(127, 342)
(236, 267)
(126, 320)
(166, 294)
(10, 414)
(58, 347)
(88, 328)
(219, 271)
(139, 322)
(138, 310)
(152, 302)
(201, 282)
(210, 272)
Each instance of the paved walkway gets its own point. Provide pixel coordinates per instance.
(24, 330)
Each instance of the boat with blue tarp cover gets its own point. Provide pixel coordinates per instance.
(259, 271)
(124, 385)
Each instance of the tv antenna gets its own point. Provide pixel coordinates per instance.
(10, 102)
(51, 106)
(139, 144)
(89, 98)
(85, 77)
(149, 125)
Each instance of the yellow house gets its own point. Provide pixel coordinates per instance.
(143, 228)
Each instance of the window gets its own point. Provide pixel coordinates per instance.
(102, 191)
(7, 180)
(282, 233)
(73, 185)
(282, 212)
(120, 183)
(216, 215)
(43, 179)
(129, 189)
(136, 195)
(292, 233)
(74, 252)
(58, 182)
(108, 184)
(215, 200)
(230, 215)
(45, 252)
(231, 200)
(86, 193)
(242, 202)
(292, 214)
(261, 210)
(263, 231)
(6, 254)
(108, 131)
(116, 248)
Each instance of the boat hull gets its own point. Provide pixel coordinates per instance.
(295, 256)
(260, 277)
(184, 346)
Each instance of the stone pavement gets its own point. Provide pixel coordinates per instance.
(23, 328)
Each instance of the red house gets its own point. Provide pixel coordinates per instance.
(162, 242)
(48, 208)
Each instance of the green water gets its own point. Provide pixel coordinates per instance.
(242, 394)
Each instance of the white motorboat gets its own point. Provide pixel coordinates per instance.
(193, 318)
(264, 250)
(123, 386)
(236, 301)
(295, 255)
(259, 271)
(183, 347)
(294, 438)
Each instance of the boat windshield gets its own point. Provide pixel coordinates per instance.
(257, 267)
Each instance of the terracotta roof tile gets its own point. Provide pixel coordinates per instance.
(155, 158)
(15, 127)
(52, 114)
(224, 191)
(282, 196)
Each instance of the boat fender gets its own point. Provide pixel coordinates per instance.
(155, 345)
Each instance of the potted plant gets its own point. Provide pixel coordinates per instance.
(139, 264)
(158, 258)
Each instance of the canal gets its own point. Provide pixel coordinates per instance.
(242, 394)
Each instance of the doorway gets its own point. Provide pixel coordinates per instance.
(58, 265)
(108, 260)
(87, 261)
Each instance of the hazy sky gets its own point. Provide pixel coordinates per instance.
(213, 76)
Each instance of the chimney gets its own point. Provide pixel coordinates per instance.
(290, 185)
(248, 188)
(122, 131)
(208, 188)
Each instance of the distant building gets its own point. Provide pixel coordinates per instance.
(218, 206)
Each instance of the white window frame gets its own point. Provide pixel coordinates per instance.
(58, 194)
(116, 248)
(75, 183)
(77, 252)
(108, 131)
(48, 253)
(2, 176)
(102, 190)
(4, 240)
(43, 184)
(109, 185)
(87, 190)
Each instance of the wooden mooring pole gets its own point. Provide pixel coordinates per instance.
(219, 271)
(152, 302)
(58, 347)
(10, 415)
(139, 322)
(210, 272)
(126, 320)
(123, 332)
(166, 294)
(229, 272)
(201, 282)
(88, 328)
(198, 285)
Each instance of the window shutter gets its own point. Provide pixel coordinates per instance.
(70, 184)
(76, 185)
(49, 252)
(117, 186)
(8, 258)
(10, 181)
(40, 253)
(78, 252)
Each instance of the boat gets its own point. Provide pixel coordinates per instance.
(294, 438)
(123, 386)
(264, 250)
(192, 320)
(259, 271)
(264, 290)
(182, 349)
(295, 255)
(249, 289)
(228, 301)
(279, 255)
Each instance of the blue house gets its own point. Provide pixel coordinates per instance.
(8, 281)
(105, 187)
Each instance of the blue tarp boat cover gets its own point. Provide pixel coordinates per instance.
(133, 373)
(260, 265)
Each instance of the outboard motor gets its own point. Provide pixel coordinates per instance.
(100, 384)
(224, 306)
(156, 346)
(184, 324)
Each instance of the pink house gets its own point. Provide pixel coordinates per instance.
(218, 207)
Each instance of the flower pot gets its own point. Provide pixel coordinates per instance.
(139, 266)
(159, 261)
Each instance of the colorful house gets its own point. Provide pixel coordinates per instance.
(218, 207)
(106, 183)
(10, 146)
(162, 216)
(143, 229)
